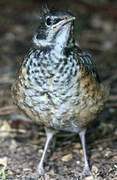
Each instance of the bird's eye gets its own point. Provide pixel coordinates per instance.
(50, 21)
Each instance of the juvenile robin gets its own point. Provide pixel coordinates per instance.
(57, 84)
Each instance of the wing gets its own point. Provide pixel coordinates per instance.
(87, 61)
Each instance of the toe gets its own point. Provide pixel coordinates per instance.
(40, 171)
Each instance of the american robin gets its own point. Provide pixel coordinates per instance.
(57, 84)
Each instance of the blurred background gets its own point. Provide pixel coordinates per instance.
(95, 31)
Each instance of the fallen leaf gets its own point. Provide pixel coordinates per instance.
(5, 129)
(66, 157)
(3, 161)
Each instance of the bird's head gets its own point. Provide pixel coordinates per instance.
(55, 29)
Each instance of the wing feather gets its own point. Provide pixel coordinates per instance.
(87, 61)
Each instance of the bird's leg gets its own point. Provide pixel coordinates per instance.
(49, 135)
(86, 169)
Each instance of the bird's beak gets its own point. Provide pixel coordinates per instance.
(64, 21)
(70, 19)
(73, 18)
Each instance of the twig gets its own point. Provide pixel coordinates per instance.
(7, 109)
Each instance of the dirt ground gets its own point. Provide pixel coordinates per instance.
(21, 141)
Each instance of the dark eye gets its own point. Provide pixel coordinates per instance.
(50, 21)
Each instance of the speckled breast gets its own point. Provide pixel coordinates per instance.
(57, 92)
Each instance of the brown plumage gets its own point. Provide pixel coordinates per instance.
(57, 84)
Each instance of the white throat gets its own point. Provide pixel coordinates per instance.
(62, 39)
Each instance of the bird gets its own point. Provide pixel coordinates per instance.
(57, 84)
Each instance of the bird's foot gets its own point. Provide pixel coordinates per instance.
(40, 171)
(86, 172)
(38, 174)
(33, 176)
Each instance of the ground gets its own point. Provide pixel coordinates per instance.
(21, 141)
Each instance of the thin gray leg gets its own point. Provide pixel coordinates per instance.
(86, 169)
(49, 135)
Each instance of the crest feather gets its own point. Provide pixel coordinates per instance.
(45, 8)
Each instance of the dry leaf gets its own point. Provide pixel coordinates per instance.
(5, 129)
(66, 157)
(3, 161)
